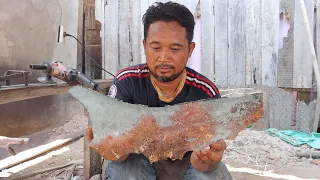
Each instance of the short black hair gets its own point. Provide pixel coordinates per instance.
(168, 12)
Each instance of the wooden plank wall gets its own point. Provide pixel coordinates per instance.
(253, 42)
(237, 42)
(208, 38)
(302, 63)
(221, 41)
(270, 42)
(240, 40)
(111, 41)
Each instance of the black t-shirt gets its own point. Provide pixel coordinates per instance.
(133, 85)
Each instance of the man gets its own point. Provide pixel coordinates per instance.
(165, 80)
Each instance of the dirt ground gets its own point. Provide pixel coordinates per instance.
(66, 155)
(252, 155)
(257, 155)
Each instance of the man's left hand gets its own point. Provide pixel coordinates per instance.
(207, 159)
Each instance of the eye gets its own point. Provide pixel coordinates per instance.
(156, 48)
(174, 50)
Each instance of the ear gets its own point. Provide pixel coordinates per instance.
(144, 45)
(191, 48)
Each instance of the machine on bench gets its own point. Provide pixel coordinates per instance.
(69, 75)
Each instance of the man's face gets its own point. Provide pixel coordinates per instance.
(167, 50)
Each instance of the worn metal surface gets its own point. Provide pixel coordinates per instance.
(15, 93)
(165, 132)
(25, 117)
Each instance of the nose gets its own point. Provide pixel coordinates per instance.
(164, 55)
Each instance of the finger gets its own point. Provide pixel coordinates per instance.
(194, 155)
(224, 144)
(203, 157)
(89, 133)
(218, 146)
(213, 155)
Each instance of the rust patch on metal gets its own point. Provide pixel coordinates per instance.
(192, 124)
(234, 109)
(253, 114)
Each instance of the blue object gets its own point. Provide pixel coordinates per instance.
(296, 138)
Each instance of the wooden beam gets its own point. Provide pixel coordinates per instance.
(41, 171)
(111, 47)
(80, 50)
(270, 41)
(221, 41)
(237, 43)
(92, 160)
(253, 42)
(144, 6)
(93, 59)
(38, 151)
(124, 35)
(208, 39)
(92, 41)
(135, 29)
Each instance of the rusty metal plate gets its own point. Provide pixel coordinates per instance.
(160, 133)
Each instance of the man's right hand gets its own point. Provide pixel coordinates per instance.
(89, 134)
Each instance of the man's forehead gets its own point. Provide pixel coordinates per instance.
(170, 29)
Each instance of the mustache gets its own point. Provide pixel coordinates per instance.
(165, 65)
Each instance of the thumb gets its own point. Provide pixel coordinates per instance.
(89, 133)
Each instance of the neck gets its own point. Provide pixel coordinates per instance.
(169, 88)
(168, 91)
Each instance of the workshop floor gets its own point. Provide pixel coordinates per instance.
(65, 155)
(283, 166)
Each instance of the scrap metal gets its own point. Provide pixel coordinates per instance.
(160, 133)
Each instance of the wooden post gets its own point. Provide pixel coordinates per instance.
(88, 61)
(314, 63)
(80, 50)
(92, 160)
(92, 41)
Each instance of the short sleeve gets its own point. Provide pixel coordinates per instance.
(120, 90)
(217, 95)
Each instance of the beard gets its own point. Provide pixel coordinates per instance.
(165, 78)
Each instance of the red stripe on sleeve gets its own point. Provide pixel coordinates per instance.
(205, 89)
